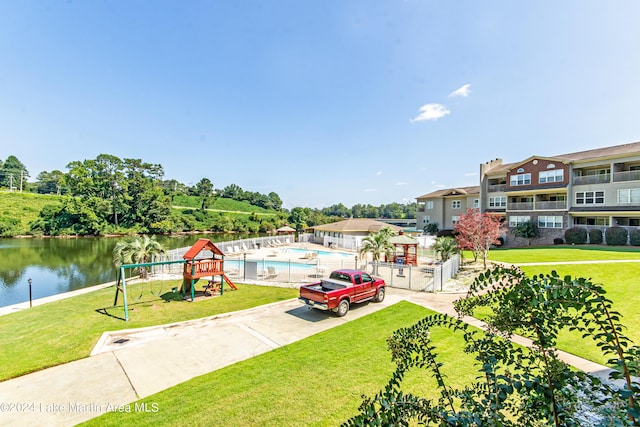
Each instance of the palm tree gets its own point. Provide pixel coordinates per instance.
(137, 250)
(377, 244)
(445, 246)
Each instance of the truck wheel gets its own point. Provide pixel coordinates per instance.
(343, 308)
(380, 295)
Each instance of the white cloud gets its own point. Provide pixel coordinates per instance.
(401, 183)
(431, 112)
(462, 91)
(379, 173)
(470, 174)
(369, 190)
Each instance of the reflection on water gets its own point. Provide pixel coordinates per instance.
(61, 265)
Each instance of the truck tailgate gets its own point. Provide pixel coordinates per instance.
(313, 293)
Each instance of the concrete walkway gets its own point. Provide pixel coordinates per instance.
(128, 365)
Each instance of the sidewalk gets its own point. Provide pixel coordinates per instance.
(128, 365)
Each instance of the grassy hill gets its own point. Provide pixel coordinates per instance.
(220, 204)
(17, 210)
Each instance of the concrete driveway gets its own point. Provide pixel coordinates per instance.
(128, 365)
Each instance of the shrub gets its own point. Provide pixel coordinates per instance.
(595, 236)
(616, 236)
(576, 236)
(431, 228)
(558, 241)
(634, 237)
(445, 233)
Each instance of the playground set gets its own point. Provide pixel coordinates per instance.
(194, 268)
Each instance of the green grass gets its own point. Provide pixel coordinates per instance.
(621, 283)
(24, 207)
(220, 204)
(563, 253)
(317, 381)
(66, 330)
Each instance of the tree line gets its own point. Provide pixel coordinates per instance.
(110, 195)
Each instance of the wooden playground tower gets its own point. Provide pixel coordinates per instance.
(193, 270)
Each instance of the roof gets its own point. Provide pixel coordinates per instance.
(356, 225)
(286, 229)
(459, 191)
(200, 245)
(403, 239)
(604, 152)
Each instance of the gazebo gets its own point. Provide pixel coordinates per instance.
(406, 249)
(286, 230)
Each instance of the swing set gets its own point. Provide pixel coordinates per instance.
(193, 269)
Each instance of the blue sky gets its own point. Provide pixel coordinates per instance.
(323, 102)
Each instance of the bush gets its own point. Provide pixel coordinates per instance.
(634, 237)
(431, 228)
(616, 236)
(445, 233)
(576, 236)
(595, 236)
(558, 241)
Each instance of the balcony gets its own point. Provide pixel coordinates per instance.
(496, 188)
(626, 176)
(544, 206)
(592, 179)
(537, 206)
(520, 206)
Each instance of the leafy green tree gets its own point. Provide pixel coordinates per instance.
(378, 245)
(338, 210)
(527, 230)
(50, 182)
(204, 189)
(298, 219)
(13, 173)
(137, 250)
(431, 228)
(516, 386)
(445, 247)
(276, 201)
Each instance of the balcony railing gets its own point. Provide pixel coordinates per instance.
(592, 179)
(537, 206)
(496, 188)
(626, 176)
(543, 206)
(521, 206)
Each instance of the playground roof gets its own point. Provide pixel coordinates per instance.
(200, 245)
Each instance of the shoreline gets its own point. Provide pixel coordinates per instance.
(14, 308)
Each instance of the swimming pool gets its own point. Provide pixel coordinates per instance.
(319, 252)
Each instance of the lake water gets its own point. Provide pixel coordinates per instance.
(61, 265)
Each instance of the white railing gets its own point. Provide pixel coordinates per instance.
(626, 176)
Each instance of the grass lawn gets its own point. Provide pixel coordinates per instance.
(317, 381)
(66, 330)
(621, 283)
(563, 253)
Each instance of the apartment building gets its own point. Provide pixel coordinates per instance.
(593, 188)
(443, 207)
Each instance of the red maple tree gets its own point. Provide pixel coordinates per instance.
(476, 232)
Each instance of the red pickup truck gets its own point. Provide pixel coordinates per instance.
(341, 289)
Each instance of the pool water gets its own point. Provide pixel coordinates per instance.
(319, 252)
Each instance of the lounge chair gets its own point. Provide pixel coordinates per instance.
(270, 273)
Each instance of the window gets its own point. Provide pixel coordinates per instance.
(522, 179)
(476, 203)
(590, 198)
(456, 204)
(454, 219)
(591, 221)
(498, 202)
(551, 176)
(426, 219)
(629, 195)
(550, 221)
(428, 205)
(515, 220)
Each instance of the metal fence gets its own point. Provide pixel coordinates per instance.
(241, 265)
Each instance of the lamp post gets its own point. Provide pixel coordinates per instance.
(356, 262)
(30, 300)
